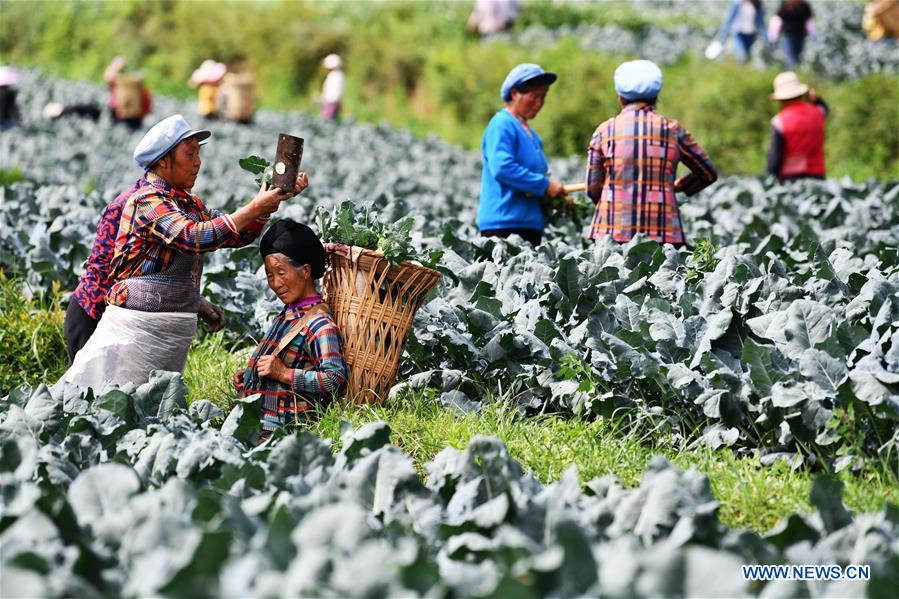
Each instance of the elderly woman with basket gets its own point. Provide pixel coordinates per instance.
(157, 263)
(299, 361)
(515, 176)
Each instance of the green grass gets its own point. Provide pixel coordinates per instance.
(752, 496)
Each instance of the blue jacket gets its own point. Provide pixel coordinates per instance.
(730, 21)
(514, 177)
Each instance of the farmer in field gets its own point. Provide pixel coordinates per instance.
(157, 263)
(796, 150)
(300, 360)
(515, 177)
(129, 99)
(632, 163)
(88, 301)
(332, 88)
(207, 79)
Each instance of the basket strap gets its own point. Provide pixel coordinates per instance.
(294, 330)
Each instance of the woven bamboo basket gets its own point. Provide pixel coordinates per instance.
(374, 304)
(237, 91)
(128, 92)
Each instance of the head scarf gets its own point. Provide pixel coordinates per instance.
(296, 241)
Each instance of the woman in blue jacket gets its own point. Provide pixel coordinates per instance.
(515, 176)
(746, 20)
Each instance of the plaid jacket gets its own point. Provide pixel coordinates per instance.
(632, 163)
(94, 282)
(157, 223)
(316, 357)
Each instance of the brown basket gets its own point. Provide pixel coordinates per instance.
(374, 304)
(128, 96)
(237, 90)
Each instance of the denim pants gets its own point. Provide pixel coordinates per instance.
(744, 43)
(791, 45)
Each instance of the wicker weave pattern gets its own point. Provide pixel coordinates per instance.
(374, 305)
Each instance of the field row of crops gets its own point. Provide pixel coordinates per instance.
(133, 493)
(776, 335)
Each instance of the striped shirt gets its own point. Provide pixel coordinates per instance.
(315, 356)
(632, 163)
(157, 223)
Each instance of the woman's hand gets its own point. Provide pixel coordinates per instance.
(556, 189)
(301, 184)
(271, 367)
(237, 379)
(267, 201)
(211, 314)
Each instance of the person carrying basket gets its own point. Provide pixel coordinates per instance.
(300, 359)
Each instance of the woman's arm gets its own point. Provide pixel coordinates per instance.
(329, 374)
(702, 171)
(157, 216)
(499, 154)
(729, 19)
(596, 168)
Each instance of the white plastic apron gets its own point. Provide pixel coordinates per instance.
(128, 344)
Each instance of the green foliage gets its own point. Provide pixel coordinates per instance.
(32, 342)
(349, 225)
(134, 492)
(258, 166)
(701, 261)
(413, 65)
(8, 176)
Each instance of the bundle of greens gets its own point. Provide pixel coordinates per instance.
(352, 225)
(258, 166)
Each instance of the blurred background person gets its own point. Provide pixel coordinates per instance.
(745, 19)
(792, 24)
(492, 16)
(632, 163)
(207, 79)
(237, 97)
(796, 150)
(881, 19)
(129, 99)
(515, 176)
(9, 109)
(332, 89)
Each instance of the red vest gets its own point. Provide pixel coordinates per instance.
(802, 125)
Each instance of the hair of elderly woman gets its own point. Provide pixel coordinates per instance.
(297, 242)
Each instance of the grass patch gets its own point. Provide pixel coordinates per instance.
(32, 341)
(752, 496)
(211, 362)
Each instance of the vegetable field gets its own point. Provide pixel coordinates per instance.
(776, 335)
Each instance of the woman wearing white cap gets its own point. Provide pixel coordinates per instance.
(155, 271)
(332, 89)
(515, 177)
(633, 159)
(796, 150)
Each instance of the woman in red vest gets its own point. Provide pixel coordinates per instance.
(797, 132)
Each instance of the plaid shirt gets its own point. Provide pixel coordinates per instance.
(632, 163)
(94, 283)
(157, 223)
(316, 357)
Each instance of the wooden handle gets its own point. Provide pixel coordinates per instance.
(575, 187)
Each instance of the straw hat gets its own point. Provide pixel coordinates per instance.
(8, 76)
(331, 62)
(209, 72)
(787, 87)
